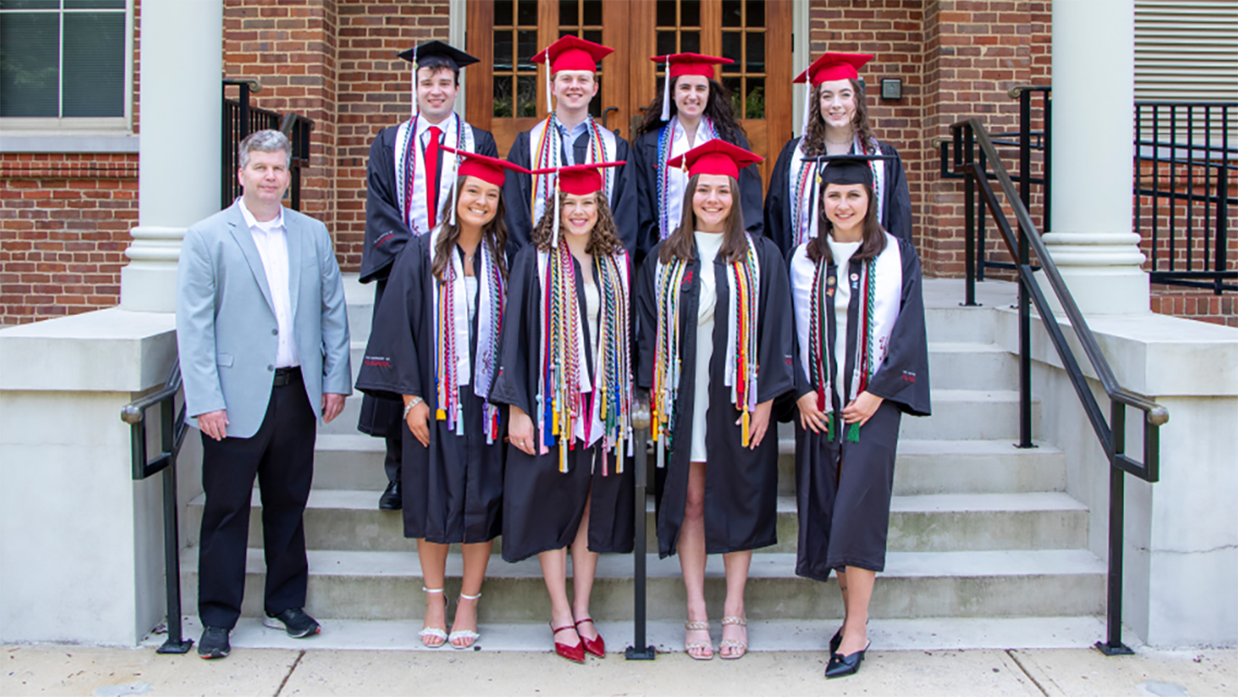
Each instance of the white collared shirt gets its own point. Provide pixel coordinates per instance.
(446, 127)
(271, 238)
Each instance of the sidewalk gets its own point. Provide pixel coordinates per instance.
(111, 672)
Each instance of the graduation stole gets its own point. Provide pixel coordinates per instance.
(451, 338)
(803, 195)
(740, 368)
(410, 165)
(564, 415)
(662, 174)
(546, 151)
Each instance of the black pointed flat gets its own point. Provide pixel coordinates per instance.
(841, 665)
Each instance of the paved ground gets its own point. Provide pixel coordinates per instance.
(111, 672)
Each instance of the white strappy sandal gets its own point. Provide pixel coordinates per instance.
(426, 633)
(469, 634)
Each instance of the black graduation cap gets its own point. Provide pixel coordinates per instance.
(848, 169)
(451, 54)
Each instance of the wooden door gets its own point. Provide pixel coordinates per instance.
(511, 96)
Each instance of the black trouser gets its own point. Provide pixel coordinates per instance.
(281, 453)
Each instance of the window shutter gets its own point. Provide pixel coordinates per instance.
(1186, 50)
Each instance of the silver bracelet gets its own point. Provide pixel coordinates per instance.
(411, 403)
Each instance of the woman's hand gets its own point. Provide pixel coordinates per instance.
(758, 423)
(812, 418)
(418, 420)
(520, 430)
(862, 409)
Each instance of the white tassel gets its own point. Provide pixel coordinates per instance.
(416, 107)
(809, 91)
(549, 89)
(554, 240)
(666, 92)
(455, 175)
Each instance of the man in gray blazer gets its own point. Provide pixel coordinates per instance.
(264, 352)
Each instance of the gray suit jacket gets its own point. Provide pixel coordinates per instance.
(225, 320)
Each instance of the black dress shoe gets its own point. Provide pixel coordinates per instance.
(214, 643)
(392, 499)
(841, 665)
(294, 621)
(836, 641)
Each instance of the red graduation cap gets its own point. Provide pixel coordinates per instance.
(715, 157)
(579, 180)
(691, 64)
(573, 53)
(834, 66)
(488, 169)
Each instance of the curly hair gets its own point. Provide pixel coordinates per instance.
(681, 244)
(493, 235)
(872, 240)
(604, 239)
(718, 109)
(814, 138)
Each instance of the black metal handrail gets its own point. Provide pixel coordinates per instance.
(172, 431)
(1197, 152)
(968, 136)
(240, 119)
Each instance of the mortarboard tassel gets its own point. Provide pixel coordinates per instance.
(809, 90)
(554, 239)
(415, 106)
(455, 175)
(666, 91)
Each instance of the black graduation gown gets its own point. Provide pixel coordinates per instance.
(741, 485)
(896, 201)
(518, 192)
(386, 234)
(645, 155)
(543, 507)
(844, 516)
(453, 490)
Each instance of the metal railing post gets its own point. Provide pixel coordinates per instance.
(1025, 311)
(1113, 646)
(640, 650)
(969, 212)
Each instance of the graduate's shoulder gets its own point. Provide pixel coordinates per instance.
(788, 148)
(767, 248)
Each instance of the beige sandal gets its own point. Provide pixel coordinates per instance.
(730, 621)
(698, 626)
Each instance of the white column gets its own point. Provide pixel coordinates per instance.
(1092, 240)
(179, 165)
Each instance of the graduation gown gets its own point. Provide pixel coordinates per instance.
(386, 233)
(543, 507)
(843, 489)
(741, 485)
(518, 192)
(896, 199)
(645, 157)
(453, 489)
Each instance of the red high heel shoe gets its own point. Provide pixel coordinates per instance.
(575, 653)
(597, 646)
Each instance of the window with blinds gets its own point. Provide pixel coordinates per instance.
(64, 59)
(1186, 50)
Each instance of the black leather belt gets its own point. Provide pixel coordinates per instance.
(287, 376)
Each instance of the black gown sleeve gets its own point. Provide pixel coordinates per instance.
(646, 319)
(386, 233)
(644, 156)
(392, 364)
(483, 142)
(903, 377)
(898, 196)
(516, 362)
(517, 189)
(750, 193)
(775, 351)
(623, 205)
(777, 205)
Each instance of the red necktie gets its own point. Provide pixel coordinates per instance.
(432, 175)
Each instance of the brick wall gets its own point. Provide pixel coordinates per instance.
(64, 227)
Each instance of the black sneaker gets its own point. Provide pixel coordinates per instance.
(294, 621)
(214, 643)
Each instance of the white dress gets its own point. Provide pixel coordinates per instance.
(707, 245)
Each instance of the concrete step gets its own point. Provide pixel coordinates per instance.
(351, 521)
(970, 415)
(955, 467)
(355, 462)
(666, 636)
(972, 366)
(387, 586)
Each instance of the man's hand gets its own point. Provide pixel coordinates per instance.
(418, 420)
(332, 405)
(214, 424)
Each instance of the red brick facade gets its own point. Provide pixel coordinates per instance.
(64, 219)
